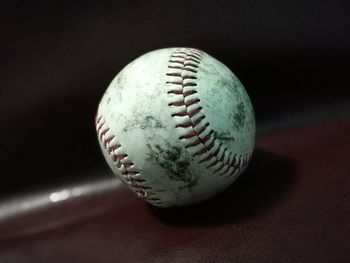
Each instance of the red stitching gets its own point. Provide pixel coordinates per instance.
(193, 59)
(175, 82)
(177, 61)
(177, 56)
(190, 123)
(103, 132)
(184, 94)
(190, 69)
(203, 140)
(125, 167)
(107, 141)
(190, 64)
(97, 119)
(175, 67)
(174, 74)
(113, 148)
(189, 84)
(188, 77)
(190, 60)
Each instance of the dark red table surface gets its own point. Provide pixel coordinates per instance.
(291, 205)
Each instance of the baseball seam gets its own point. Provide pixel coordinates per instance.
(122, 162)
(196, 132)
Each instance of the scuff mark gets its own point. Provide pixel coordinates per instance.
(224, 136)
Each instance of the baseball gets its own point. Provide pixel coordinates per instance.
(177, 126)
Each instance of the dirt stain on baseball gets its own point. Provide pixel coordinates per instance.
(239, 116)
(173, 160)
(143, 122)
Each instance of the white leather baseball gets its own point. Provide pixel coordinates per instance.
(177, 126)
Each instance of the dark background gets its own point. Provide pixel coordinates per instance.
(58, 57)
